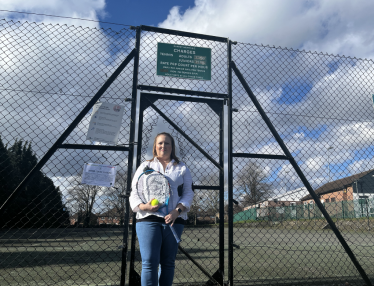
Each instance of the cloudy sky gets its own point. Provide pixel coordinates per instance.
(324, 100)
(333, 26)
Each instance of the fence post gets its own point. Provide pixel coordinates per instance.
(230, 168)
(130, 165)
(308, 211)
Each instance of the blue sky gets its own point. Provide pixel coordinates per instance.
(140, 12)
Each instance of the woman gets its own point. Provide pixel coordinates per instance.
(156, 241)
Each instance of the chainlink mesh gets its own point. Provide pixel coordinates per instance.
(57, 231)
(60, 232)
(199, 239)
(318, 106)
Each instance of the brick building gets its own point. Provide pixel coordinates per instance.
(353, 194)
(109, 217)
(78, 219)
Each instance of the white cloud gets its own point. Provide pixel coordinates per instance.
(362, 165)
(329, 26)
(86, 9)
(315, 164)
(332, 26)
(49, 73)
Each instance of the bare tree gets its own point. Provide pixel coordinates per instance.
(211, 202)
(252, 184)
(205, 202)
(236, 209)
(115, 197)
(81, 199)
(195, 208)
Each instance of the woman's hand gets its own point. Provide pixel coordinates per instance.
(171, 217)
(148, 207)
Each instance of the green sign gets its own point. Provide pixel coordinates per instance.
(184, 61)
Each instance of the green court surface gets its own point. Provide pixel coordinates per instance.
(284, 255)
(261, 256)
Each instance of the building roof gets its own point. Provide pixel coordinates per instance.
(76, 215)
(337, 185)
(294, 195)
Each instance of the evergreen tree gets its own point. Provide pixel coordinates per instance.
(39, 203)
(5, 172)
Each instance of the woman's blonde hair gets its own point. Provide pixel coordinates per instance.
(172, 155)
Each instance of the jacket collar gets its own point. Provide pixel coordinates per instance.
(158, 161)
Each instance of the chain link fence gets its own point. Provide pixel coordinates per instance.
(58, 231)
(321, 107)
(201, 236)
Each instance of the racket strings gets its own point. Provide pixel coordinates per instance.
(157, 186)
(141, 189)
(153, 185)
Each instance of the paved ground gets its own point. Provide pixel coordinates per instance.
(262, 256)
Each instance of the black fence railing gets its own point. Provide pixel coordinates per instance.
(278, 141)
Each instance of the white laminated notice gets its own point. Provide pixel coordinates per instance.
(99, 175)
(105, 123)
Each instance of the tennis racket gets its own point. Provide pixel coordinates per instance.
(152, 184)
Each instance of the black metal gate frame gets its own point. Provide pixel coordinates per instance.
(147, 100)
(231, 66)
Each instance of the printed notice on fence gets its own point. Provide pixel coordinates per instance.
(99, 175)
(184, 61)
(105, 123)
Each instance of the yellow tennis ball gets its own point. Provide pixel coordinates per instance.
(154, 202)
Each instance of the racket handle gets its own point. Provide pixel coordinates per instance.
(175, 234)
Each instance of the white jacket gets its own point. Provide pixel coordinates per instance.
(177, 175)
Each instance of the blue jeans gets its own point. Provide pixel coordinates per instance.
(157, 246)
